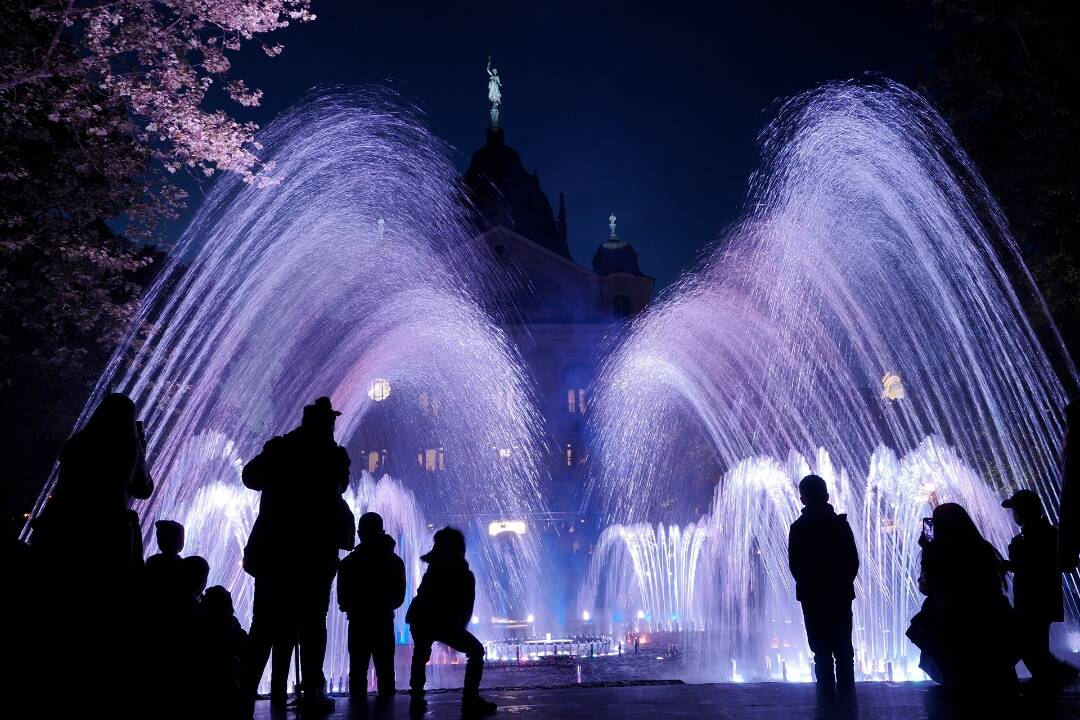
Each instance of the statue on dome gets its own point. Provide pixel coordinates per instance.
(494, 85)
(494, 92)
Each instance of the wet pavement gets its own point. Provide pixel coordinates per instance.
(726, 701)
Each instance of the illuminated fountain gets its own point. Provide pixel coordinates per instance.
(355, 275)
(867, 313)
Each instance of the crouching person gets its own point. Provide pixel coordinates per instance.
(440, 613)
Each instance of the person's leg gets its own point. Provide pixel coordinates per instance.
(843, 650)
(382, 648)
(261, 637)
(420, 657)
(817, 636)
(1035, 647)
(280, 662)
(359, 657)
(314, 604)
(465, 642)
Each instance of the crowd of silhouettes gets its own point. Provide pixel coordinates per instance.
(153, 630)
(969, 634)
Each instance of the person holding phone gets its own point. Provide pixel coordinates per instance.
(966, 628)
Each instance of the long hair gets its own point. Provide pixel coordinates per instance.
(115, 416)
(957, 534)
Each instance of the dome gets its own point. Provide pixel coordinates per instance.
(615, 255)
(504, 193)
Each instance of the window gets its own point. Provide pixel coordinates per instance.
(620, 306)
(379, 389)
(373, 462)
(504, 453)
(569, 455)
(575, 401)
(431, 459)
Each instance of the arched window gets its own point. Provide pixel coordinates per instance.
(620, 306)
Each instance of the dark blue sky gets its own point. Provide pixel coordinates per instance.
(647, 109)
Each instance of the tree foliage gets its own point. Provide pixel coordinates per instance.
(1007, 80)
(102, 103)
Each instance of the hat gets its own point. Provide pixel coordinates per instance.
(1024, 500)
(322, 406)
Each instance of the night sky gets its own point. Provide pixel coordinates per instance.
(647, 110)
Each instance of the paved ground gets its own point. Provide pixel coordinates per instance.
(763, 701)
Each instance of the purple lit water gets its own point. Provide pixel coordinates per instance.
(870, 246)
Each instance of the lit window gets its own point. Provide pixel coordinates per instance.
(569, 455)
(382, 459)
(432, 459)
(570, 400)
(504, 453)
(581, 400)
(379, 389)
(372, 462)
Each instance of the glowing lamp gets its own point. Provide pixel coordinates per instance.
(585, 616)
(892, 386)
(640, 614)
(379, 389)
(530, 619)
(503, 526)
(475, 619)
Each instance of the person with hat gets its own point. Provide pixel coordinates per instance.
(371, 586)
(1037, 595)
(292, 551)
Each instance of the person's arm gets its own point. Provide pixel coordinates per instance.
(142, 485)
(851, 552)
(397, 593)
(258, 472)
(344, 586)
(468, 598)
(793, 553)
(344, 466)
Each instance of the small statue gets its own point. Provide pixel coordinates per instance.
(494, 85)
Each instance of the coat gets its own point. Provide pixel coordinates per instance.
(822, 555)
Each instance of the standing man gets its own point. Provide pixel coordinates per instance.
(1037, 594)
(293, 548)
(824, 562)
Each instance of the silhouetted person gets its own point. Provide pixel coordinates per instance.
(440, 612)
(1037, 594)
(219, 642)
(1069, 510)
(966, 628)
(87, 547)
(824, 562)
(371, 586)
(102, 468)
(293, 548)
(163, 573)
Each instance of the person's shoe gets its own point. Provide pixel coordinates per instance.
(316, 704)
(476, 706)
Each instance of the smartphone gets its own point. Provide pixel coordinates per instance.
(928, 528)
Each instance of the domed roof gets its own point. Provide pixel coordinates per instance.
(615, 255)
(504, 193)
